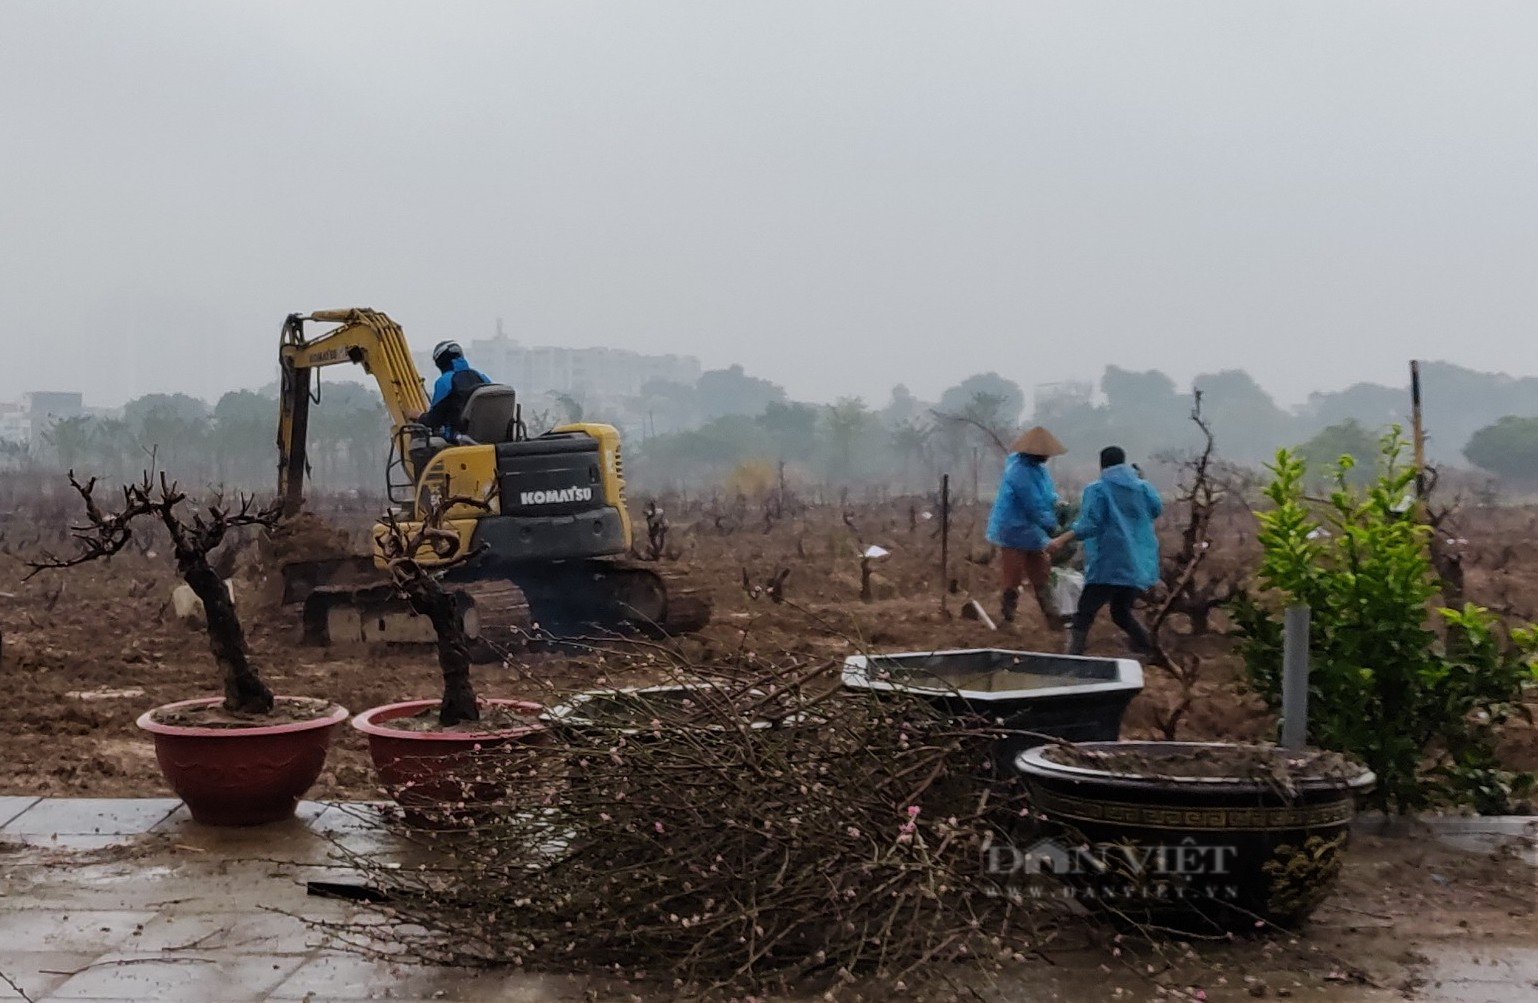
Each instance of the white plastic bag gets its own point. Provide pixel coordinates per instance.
(1066, 587)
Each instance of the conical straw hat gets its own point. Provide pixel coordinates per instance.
(1038, 442)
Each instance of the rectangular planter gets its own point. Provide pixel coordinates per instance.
(1074, 698)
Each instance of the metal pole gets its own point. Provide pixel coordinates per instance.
(1295, 678)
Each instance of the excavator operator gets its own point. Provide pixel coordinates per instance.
(453, 388)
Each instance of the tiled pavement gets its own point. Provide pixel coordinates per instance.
(112, 900)
(115, 900)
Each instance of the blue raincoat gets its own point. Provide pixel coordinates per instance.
(445, 381)
(1024, 515)
(460, 379)
(1116, 523)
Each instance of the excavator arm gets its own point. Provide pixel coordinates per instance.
(365, 337)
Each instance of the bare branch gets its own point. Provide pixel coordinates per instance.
(969, 420)
(401, 546)
(104, 535)
(1202, 493)
(192, 540)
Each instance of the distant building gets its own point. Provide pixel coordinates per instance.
(48, 404)
(44, 407)
(587, 374)
(15, 423)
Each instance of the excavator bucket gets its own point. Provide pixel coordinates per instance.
(300, 578)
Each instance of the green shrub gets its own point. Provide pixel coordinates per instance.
(1383, 684)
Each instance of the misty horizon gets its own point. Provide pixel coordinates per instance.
(356, 375)
(922, 389)
(841, 197)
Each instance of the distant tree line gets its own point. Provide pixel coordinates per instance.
(736, 429)
(731, 422)
(231, 443)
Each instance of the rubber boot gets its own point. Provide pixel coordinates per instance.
(1138, 640)
(1008, 604)
(1078, 640)
(1048, 604)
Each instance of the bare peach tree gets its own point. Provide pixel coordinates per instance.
(772, 586)
(866, 595)
(422, 586)
(1208, 488)
(1445, 543)
(1201, 494)
(658, 531)
(193, 538)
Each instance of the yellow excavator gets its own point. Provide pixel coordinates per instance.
(551, 542)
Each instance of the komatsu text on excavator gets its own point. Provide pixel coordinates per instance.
(551, 543)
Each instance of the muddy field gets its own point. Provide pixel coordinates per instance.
(88, 649)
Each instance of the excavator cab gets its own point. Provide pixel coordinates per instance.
(492, 415)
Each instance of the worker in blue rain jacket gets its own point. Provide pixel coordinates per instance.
(1121, 550)
(1022, 522)
(450, 393)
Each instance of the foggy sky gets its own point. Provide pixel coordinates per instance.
(841, 196)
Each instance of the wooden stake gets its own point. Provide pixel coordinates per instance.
(945, 537)
(1419, 431)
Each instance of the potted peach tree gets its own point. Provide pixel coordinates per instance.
(424, 749)
(243, 758)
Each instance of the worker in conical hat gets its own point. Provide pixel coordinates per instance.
(1024, 520)
(1038, 442)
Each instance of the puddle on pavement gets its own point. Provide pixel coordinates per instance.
(1510, 960)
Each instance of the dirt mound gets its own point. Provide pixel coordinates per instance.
(306, 537)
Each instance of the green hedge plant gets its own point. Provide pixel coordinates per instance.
(1384, 683)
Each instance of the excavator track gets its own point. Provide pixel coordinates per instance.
(505, 608)
(583, 598)
(497, 618)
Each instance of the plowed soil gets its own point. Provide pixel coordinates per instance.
(88, 649)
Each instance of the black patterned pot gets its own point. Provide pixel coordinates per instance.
(1155, 834)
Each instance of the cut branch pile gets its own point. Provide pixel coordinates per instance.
(749, 837)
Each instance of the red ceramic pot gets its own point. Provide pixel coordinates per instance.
(431, 773)
(241, 776)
